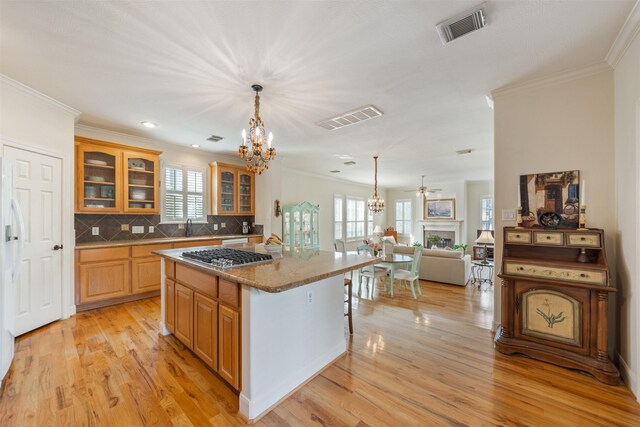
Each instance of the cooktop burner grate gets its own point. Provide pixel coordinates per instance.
(225, 258)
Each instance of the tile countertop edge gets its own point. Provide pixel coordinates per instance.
(159, 240)
(273, 290)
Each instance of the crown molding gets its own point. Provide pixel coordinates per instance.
(39, 95)
(629, 31)
(553, 79)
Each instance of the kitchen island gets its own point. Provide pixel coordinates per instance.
(265, 328)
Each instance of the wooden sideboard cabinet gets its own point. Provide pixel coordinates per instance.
(555, 294)
(203, 312)
(114, 178)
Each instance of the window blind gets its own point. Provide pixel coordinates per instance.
(183, 195)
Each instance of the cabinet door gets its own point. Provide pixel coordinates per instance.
(98, 179)
(104, 280)
(246, 193)
(184, 315)
(555, 315)
(145, 274)
(170, 306)
(141, 182)
(228, 337)
(227, 190)
(205, 334)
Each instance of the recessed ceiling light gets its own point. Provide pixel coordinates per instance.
(335, 171)
(350, 163)
(195, 145)
(149, 125)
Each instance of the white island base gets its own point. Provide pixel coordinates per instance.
(287, 338)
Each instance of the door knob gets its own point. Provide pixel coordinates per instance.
(57, 247)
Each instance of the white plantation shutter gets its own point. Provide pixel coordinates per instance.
(183, 195)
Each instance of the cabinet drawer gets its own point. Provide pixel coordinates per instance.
(206, 284)
(228, 293)
(552, 238)
(592, 277)
(104, 254)
(170, 268)
(192, 243)
(518, 237)
(146, 250)
(591, 240)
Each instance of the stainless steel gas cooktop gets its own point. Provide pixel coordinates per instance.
(225, 257)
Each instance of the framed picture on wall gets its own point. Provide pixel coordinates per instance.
(440, 209)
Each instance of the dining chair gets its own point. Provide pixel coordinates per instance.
(370, 272)
(412, 275)
(339, 245)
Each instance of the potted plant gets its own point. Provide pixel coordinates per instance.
(434, 240)
(462, 246)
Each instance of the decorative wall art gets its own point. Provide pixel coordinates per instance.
(440, 209)
(550, 199)
(551, 315)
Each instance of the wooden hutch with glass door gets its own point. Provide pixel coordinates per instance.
(300, 226)
(113, 178)
(232, 190)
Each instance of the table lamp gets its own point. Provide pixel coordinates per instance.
(485, 239)
(377, 231)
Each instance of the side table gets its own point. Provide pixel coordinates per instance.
(477, 267)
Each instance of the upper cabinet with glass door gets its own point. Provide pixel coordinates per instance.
(115, 178)
(232, 190)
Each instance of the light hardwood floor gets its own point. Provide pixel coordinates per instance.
(417, 363)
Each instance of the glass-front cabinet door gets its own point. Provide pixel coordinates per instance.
(300, 226)
(246, 193)
(98, 179)
(227, 190)
(141, 182)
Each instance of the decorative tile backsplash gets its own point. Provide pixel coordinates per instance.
(111, 227)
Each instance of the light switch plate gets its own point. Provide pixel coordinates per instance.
(215, 227)
(137, 229)
(152, 229)
(124, 227)
(180, 226)
(508, 214)
(223, 225)
(95, 231)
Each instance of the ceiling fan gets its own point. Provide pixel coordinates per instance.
(423, 190)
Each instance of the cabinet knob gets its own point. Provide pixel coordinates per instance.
(517, 235)
(583, 275)
(582, 239)
(520, 268)
(548, 237)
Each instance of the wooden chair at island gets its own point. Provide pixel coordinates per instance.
(412, 275)
(371, 272)
(340, 246)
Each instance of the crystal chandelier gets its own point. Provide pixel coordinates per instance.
(257, 160)
(376, 204)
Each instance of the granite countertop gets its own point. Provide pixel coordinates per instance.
(288, 270)
(117, 243)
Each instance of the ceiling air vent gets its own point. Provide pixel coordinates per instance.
(350, 163)
(465, 151)
(462, 24)
(214, 138)
(352, 117)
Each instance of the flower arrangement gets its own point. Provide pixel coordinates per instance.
(377, 247)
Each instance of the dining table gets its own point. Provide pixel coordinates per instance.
(392, 261)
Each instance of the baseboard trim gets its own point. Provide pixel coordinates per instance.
(628, 376)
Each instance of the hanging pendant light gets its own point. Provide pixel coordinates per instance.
(257, 160)
(376, 204)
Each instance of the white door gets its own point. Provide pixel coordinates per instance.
(38, 190)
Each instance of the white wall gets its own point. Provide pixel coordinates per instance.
(300, 186)
(475, 190)
(33, 121)
(560, 124)
(627, 157)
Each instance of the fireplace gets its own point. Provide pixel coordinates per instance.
(447, 238)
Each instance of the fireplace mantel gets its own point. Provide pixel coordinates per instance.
(454, 225)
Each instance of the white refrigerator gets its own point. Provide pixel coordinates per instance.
(11, 249)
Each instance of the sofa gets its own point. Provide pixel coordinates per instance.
(441, 265)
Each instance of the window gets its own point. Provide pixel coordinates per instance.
(403, 216)
(350, 218)
(369, 223)
(487, 213)
(183, 195)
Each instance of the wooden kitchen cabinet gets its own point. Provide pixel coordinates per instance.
(170, 306)
(104, 280)
(232, 190)
(205, 329)
(184, 315)
(145, 268)
(228, 342)
(114, 178)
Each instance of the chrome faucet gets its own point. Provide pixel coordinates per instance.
(188, 230)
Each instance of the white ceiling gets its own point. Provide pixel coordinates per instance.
(188, 66)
